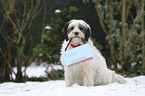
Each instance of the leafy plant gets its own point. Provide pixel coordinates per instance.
(49, 49)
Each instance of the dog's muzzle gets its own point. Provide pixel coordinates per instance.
(71, 40)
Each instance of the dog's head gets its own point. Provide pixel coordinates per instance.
(77, 30)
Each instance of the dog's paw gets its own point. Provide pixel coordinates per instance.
(88, 84)
(68, 83)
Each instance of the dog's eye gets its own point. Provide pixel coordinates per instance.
(72, 28)
(81, 28)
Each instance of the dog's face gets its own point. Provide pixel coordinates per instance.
(77, 30)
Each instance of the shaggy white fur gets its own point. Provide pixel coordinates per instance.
(93, 72)
(90, 73)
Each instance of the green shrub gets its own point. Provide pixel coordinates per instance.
(49, 49)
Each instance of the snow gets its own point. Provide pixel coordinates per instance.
(57, 11)
(134, 86)
(38, 71)
(46, 27)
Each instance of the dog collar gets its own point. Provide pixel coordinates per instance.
(73, 46)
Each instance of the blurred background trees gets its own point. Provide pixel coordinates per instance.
(122, 21)
(30, 31)
(16, 24)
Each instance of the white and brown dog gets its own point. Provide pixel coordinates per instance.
(93, 72)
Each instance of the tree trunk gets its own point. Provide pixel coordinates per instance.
(143, 39)
(112, 48)
(9, 41)
(1, 69)
(121, 55)
(19, 77)
(124, 35)
(111, 45)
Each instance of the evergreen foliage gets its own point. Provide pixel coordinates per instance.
(49, 49)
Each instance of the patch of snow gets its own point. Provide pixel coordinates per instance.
(133, 64)
(35, 70)
(119, 66)
(40, 54)
(47, 27)
(134, 87)
(57, 11)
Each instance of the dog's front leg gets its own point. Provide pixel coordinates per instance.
(68, 79)
(88, 80)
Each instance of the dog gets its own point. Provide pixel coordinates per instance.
(90, 73)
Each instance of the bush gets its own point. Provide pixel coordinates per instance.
(49, 49)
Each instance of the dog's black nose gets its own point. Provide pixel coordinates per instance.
(76, 33)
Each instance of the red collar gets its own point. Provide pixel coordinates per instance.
(73, 46)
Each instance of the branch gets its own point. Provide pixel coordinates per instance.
(128, 7)
(111, 16)
(9, 65)
(100, 18)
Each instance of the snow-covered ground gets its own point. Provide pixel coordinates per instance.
(134, 86)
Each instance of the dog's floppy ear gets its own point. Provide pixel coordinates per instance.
(64, 30)
(88, 33)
